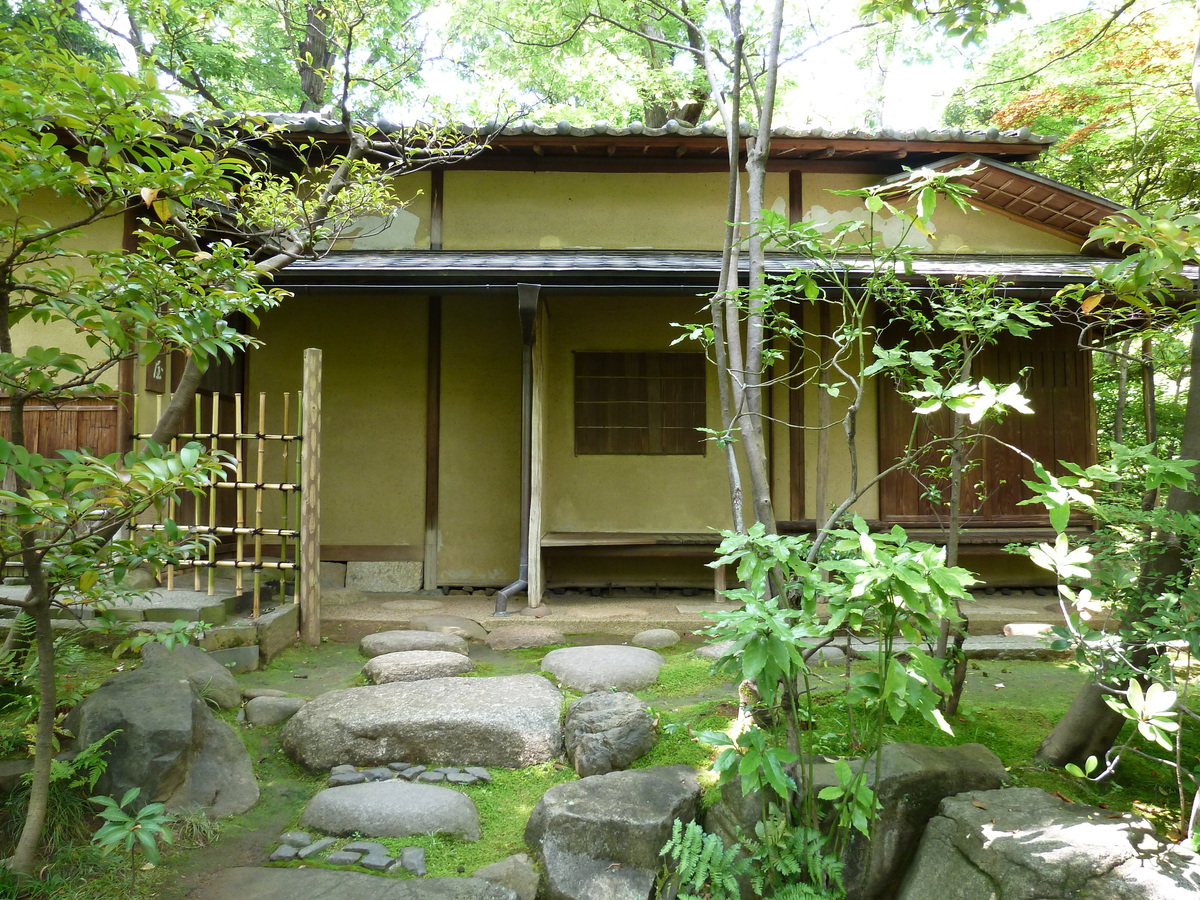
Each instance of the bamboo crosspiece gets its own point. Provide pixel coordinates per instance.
(246, 543)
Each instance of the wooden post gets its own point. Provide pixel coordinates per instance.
(308, 591)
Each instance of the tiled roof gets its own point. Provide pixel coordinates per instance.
(427, 270)
(311, 123)
(676, 146)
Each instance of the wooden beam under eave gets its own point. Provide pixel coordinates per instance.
(1032, 223)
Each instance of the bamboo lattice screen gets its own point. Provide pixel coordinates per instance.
(264, 518)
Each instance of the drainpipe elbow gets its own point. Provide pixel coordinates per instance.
(505, 594)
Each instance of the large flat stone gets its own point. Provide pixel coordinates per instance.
(603, 667)
(399, 641)
(392, 809)
(328, 884)
(511, 721)
(416, 665)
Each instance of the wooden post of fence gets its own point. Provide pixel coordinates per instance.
(309, 590)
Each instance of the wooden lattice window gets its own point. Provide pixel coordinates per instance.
(639, 403)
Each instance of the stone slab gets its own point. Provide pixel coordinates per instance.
(329, 884)
(396, 577)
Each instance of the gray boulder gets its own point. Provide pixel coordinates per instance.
(603, 667)
(398, 641)
(523, 636)
(600, 836)
(605, 731)
(515, 872)
(170, 745)
(392, 809)
(272, 710)
(211, 680)
(715, 650)
(913, 780)
(1024, 843)
(416, 665)
(330, 884)
(655, 638)
(465, 628)
(511, 721)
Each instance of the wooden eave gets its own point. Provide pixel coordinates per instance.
(1031, 199)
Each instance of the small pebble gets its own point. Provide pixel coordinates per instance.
(399, 766)
(344, 778)
(339, 770)
(479, 772)
(431, 777)
(366, 847)
(461, 778)
(378, 774)
(411, 773)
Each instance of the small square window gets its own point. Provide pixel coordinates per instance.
(639, 403)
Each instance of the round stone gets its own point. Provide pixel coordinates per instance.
(656, 638)
(399, 641)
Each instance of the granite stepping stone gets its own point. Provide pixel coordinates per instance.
(400, 641)
(524, 636)
(656, 638)
(416, 665)
(460, 625)
(603, 667)
(393, 809)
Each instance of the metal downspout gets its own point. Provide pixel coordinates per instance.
(527, 300)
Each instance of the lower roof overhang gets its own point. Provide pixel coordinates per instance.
(680, 271)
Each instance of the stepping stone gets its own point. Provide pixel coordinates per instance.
(603, 667)
(416, 665)
(656, 638)
(316, 847)
(262, 883)
(510, 721)
(272, 710)
(399, 641)
(524, 636)
(463, 627)
(607, 731)
(393, 809)
(714, 651)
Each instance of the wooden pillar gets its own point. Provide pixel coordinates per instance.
(433, 417)
(309, 591)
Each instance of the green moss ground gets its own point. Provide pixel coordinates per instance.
(1008, 706)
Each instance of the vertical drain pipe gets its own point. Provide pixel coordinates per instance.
(527, 300)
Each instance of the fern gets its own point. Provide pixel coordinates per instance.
(699, 862)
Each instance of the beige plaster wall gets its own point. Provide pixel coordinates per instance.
(479, 495)
(577, 210)
(107, 234)
(974, 231)
(373, 407)
(408, 228)
(623, 493)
